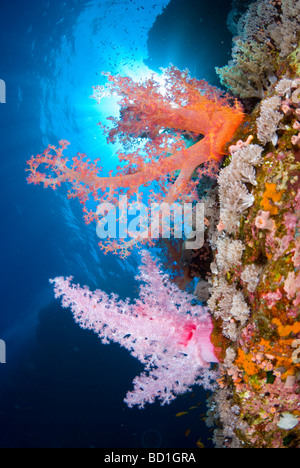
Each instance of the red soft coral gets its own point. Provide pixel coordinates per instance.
(185, 110)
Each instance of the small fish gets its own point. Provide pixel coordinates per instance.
(187, 432)
(200, 444)
(181, 414)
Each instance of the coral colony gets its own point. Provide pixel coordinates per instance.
(167, 333)
(188, 107)
(244, 342)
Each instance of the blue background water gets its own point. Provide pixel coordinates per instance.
(60, 386)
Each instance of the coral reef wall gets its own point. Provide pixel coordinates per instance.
(255, 283)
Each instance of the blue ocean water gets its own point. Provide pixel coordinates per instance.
(60, 387)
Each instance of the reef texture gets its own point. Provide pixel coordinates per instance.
(255, 284)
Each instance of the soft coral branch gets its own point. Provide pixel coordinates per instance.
(184, 106)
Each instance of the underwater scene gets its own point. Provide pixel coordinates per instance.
(150, 233)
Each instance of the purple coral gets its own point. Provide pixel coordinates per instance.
(164, 329)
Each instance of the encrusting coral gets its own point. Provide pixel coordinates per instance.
(260, 366)
(267, 34)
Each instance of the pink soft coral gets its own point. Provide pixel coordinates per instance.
(188, 109)
(292, 287)
(272, 297)
(165, 331)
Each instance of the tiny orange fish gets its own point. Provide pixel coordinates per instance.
(200, 444)
(181, 414)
